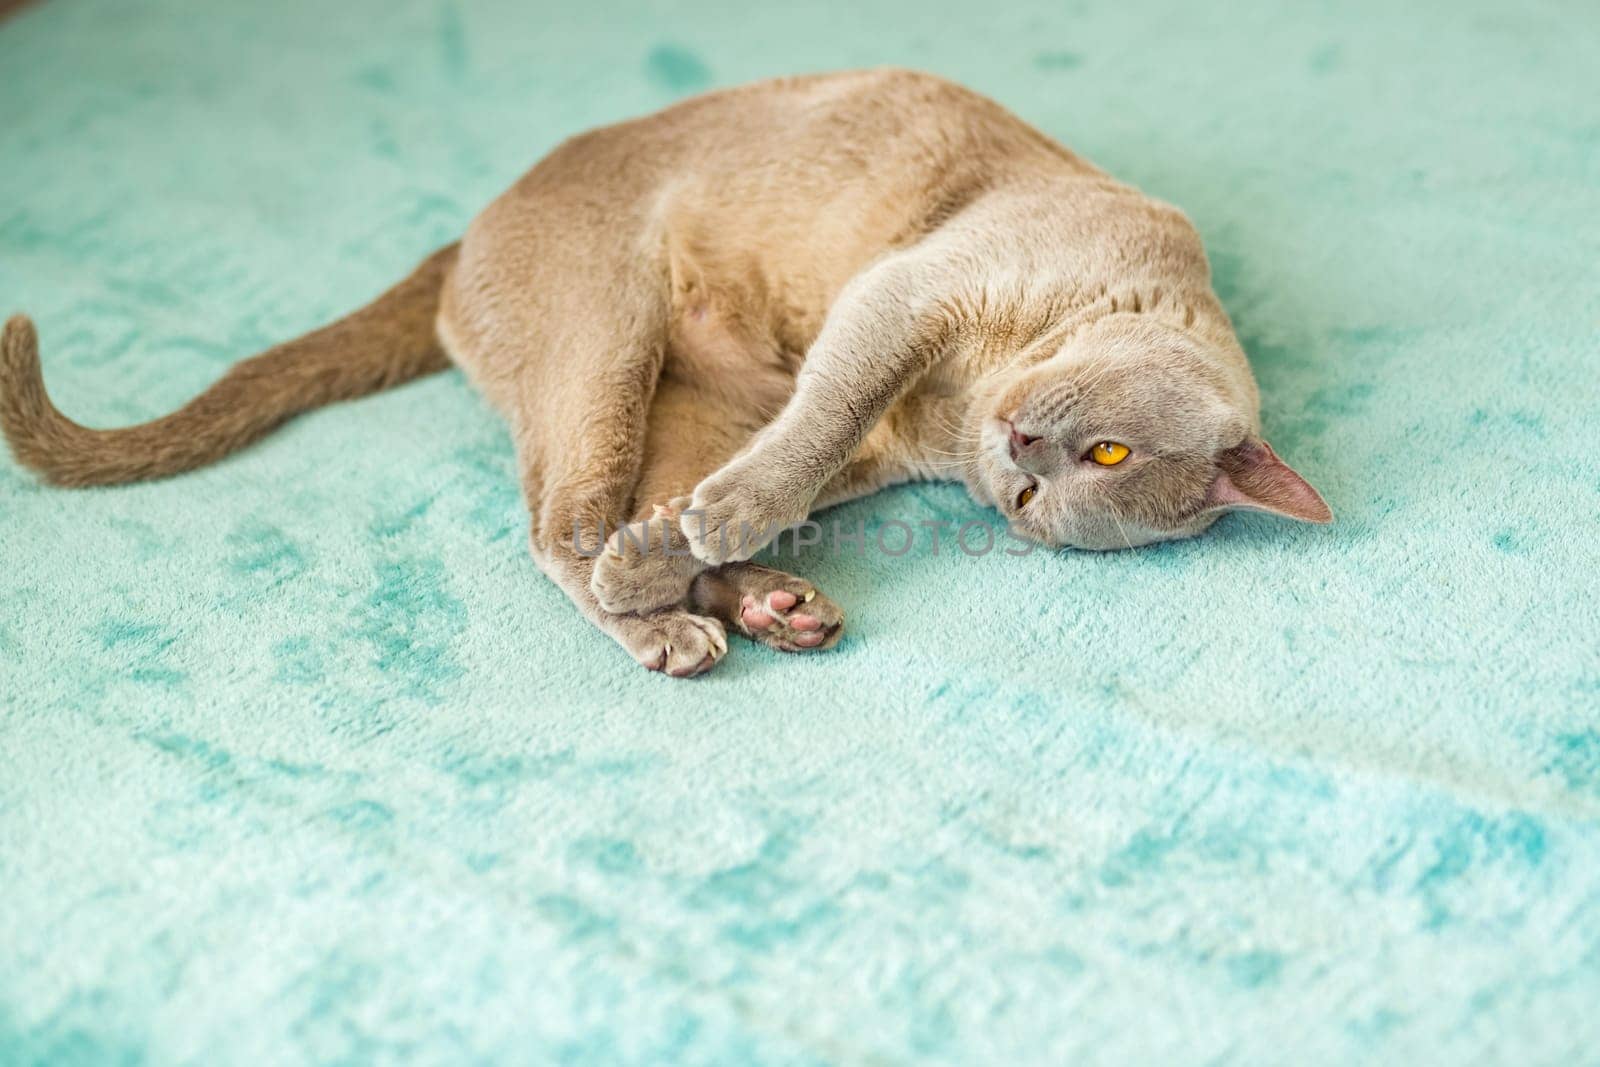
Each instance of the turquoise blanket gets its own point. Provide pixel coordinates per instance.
(303, 761)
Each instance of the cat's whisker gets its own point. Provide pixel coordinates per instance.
(1125, 538)
(937, 465)
(947, 423)
(948, 461)
(963, 454)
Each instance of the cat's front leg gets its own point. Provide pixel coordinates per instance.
(886, 328)
(739, 509)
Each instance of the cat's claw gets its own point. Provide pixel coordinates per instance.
(679, 643)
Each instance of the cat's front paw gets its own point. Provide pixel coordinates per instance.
(737, 511)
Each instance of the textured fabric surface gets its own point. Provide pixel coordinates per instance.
(302, 760)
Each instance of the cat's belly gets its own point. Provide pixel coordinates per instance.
(716, 351)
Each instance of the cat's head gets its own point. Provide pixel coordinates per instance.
(1131, 433)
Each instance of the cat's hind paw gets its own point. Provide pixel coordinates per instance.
(675, 642)
(777, 609)
(646, 566)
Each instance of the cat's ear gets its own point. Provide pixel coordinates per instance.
(1250, 475)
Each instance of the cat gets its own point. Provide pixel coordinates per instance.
(711, 321)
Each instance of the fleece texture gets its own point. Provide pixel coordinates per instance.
(303, 761)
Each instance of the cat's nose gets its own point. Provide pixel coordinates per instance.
(1019, 440)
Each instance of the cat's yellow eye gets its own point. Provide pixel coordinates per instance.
(1108, 453)
(1024, 496)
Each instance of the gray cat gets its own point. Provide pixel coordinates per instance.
(716, 319)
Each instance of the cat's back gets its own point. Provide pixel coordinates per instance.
(879, 142)
(878, 151)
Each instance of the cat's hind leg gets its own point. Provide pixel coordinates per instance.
(567, 339)
(692, 431)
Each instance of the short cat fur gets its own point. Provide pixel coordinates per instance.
(719, 318)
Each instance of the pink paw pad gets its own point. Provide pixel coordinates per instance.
(766, 617)
(753, 615)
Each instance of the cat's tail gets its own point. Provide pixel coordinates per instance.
(389, 341)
